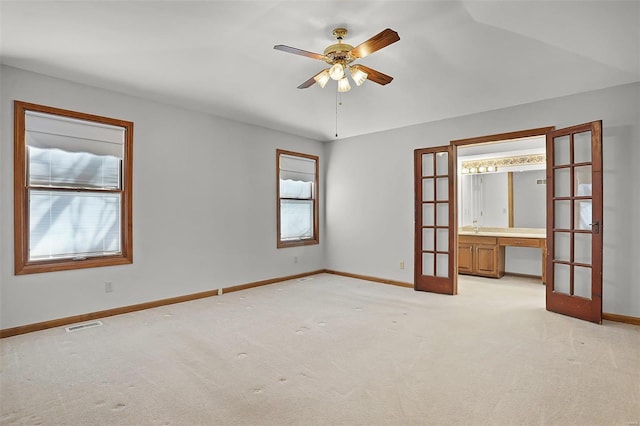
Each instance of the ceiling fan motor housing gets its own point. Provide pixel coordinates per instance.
(339, 52)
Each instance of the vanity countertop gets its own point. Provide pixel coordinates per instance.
(505, 232)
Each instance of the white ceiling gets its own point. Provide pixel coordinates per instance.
(453, 58)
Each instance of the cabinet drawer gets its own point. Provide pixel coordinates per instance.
(472, 239)
(519, 242)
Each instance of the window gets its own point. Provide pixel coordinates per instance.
(297, 199)
(72, 190)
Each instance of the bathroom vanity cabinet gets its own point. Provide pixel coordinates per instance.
(483, 253)
(480, 255)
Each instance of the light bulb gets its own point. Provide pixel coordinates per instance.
(337, 71)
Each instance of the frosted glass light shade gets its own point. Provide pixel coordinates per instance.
(322, 78)
(343, 85)
(337, 71)
(358, 75)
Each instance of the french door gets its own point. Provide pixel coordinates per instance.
(435, 223)
(574, 221)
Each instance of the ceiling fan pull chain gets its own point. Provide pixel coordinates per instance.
(337, 113)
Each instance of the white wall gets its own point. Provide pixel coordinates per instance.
(203, 202)
(369, 204)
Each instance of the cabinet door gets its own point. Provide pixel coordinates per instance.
(486, 260)
(465, 258)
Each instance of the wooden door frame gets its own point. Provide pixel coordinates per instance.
(491, 139)
(502, 137)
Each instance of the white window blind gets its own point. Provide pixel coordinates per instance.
(70, 224)
(297, 168)
(73, 135)
(55, 167)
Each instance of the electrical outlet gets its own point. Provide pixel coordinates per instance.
(295, 259)
(402, 264)
(108, 287)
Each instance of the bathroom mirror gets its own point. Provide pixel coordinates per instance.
(510, 199)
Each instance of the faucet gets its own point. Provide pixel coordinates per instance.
(476, 228)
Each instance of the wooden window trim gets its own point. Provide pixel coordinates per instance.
(316, 234)
(21, 199)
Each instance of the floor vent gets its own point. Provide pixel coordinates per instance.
(303, 279)
(83, 326)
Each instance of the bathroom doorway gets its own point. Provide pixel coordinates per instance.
(572, 243)
(501, 195)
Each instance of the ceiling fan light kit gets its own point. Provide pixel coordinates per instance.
(343, 85)
(340, 55)
(336, 71)
(358, 75)
(322, 77)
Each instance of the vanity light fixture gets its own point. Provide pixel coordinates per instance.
(491, 165)
(481, 169)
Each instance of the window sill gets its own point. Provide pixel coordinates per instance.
(297, 243)
(68, 264)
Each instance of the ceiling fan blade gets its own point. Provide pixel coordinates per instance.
(375, 43)
(307, 83)
(376, 76)
(300, 52)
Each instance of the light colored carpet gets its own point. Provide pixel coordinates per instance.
(331, 350)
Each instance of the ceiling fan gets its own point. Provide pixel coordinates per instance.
(340, 56)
